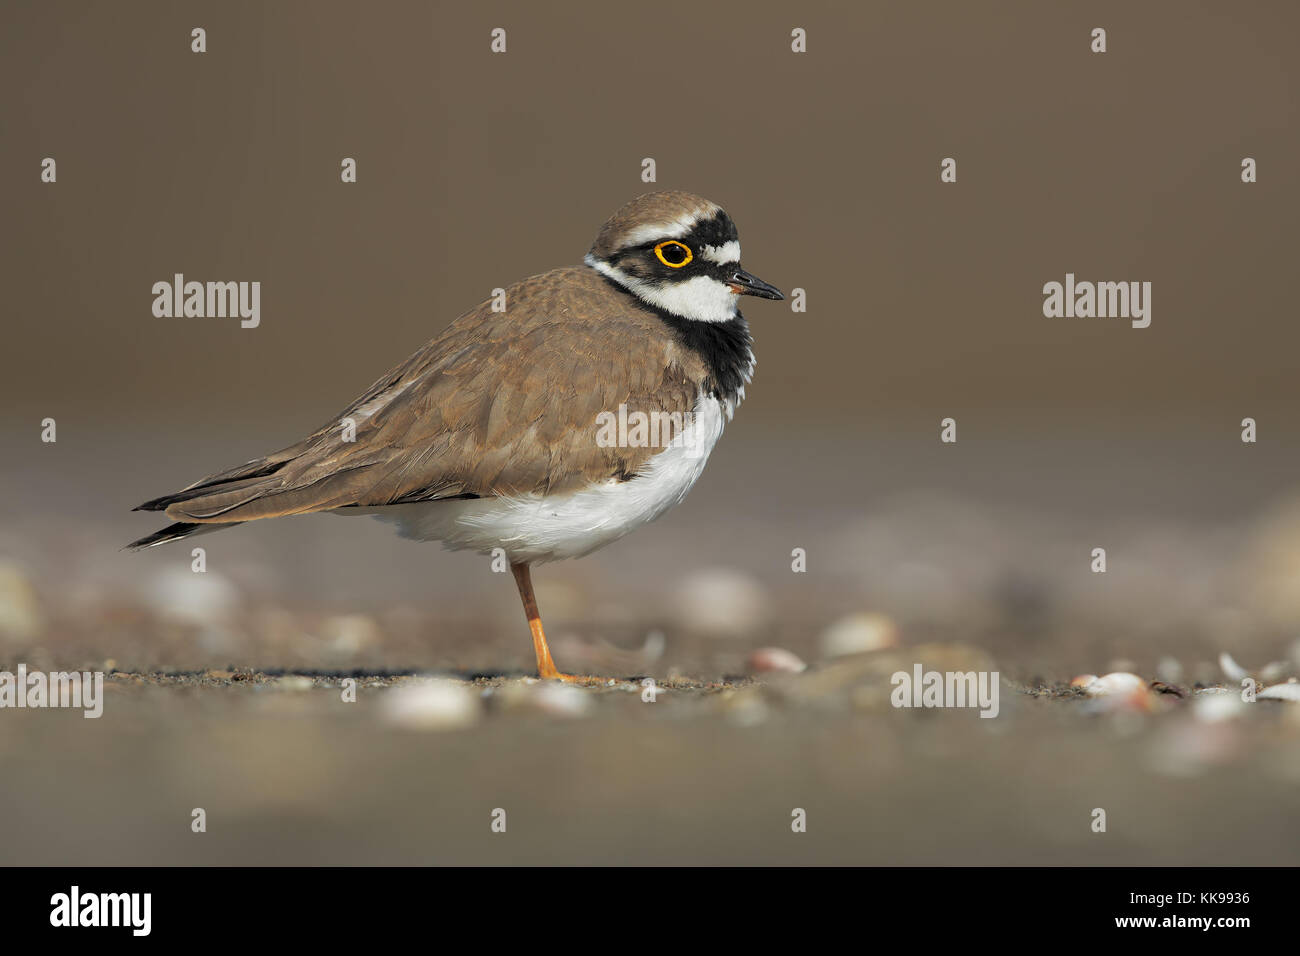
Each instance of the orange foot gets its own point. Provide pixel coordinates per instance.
(546, 668)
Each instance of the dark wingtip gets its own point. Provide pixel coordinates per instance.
(170, 533)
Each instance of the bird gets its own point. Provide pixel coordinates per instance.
(520, 430)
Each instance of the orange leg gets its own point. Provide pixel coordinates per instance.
(546, 668)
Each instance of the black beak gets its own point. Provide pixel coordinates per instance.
(742, 283)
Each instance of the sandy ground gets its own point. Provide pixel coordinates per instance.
(225, 690)
(415, 771)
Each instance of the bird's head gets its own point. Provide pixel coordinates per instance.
(678, 253)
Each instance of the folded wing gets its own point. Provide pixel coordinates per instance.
(502, 403)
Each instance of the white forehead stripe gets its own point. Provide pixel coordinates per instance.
(724, 255)
(672, 229)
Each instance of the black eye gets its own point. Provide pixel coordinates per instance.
(673, 253)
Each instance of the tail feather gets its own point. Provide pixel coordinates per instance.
(199, 491)
(174, 532)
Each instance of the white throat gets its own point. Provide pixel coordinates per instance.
(700, 299)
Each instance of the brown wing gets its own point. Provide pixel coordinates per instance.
(500, 403)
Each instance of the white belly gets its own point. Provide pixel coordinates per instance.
(537, 528)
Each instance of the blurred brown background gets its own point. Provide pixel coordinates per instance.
(476, 169)
(924, 301)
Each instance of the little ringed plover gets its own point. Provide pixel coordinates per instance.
(509, 429)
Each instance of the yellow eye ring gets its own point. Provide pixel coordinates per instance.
(675, 248)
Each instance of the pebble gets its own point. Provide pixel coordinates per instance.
(20, 616)
(545, 697)
(188, 597)
(1120, 691)
(859, 634)
(561, 700)
(1169, 670)
(1287, 691)
(295, 682)
(1274, 671)
(722, 603)
(1217, 708)
(1230, 667)
(775, 659)
(1118, 682)
(431, 705)
(349, 634)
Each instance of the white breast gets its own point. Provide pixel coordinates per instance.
(537, 528)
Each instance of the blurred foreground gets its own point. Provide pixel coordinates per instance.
(412, 773)
(224, 690)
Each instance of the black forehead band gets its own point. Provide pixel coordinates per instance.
(715, 231)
